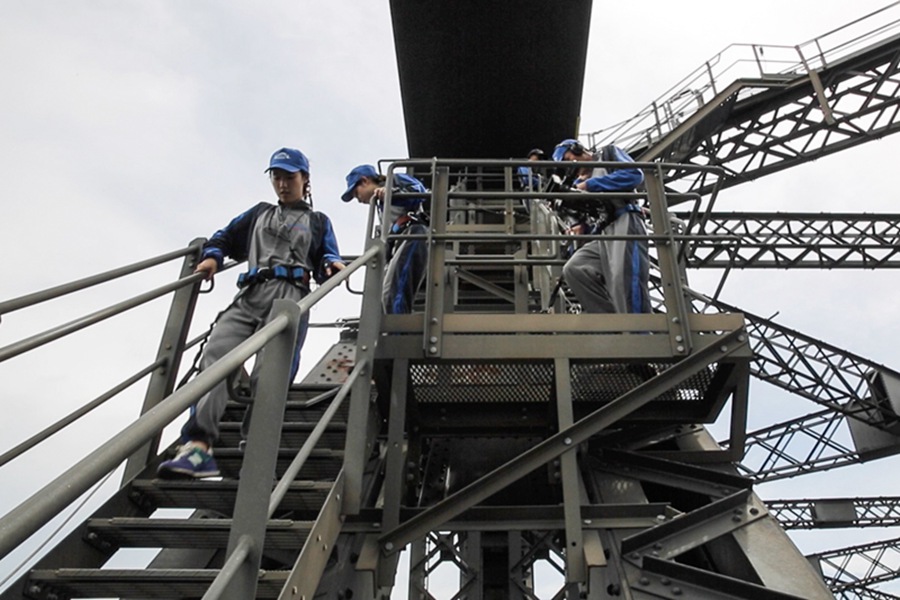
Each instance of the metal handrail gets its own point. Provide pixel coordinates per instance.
(737, 61)
(230, 569)
(9, 306)
(312, 440)
(60, 331)
(24, 520)
(77, 414)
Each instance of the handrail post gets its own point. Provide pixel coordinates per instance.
(258, 467)
(437, 282)
(171, 348)
(356, 450)
(667, 251)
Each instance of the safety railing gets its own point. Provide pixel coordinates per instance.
(763, 63)
(501, 242)
(276, 338)
(173, 344)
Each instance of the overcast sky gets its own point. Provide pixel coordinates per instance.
(129, 128)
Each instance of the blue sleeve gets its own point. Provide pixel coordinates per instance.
(408, 184)
(527, 178)
(330, 251)
(232, 240)
(618, 180)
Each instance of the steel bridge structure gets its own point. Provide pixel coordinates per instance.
(496, 432)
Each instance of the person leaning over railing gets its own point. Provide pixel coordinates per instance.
(608, 275)
(285, 246)
(408, 259)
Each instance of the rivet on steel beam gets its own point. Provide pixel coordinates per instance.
(433, 350)
(389, 546)
(363, 347)
(644, 581)
(742, 338)
(679, 338)
(723, 348)
(567, 441)
(679, 348)
(434, 320)
(676, 320)
(433, 339)
(754, 511)
(676, 591)
(736, 518)
(665, 581)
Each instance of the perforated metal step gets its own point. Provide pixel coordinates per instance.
(281, 534)
(139, 584)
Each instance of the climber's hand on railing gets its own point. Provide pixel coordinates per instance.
(332, 268)
(209, 267)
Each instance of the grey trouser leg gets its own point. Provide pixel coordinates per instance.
(404, 273)
(611, 275)
(587, 274)
(234, 326)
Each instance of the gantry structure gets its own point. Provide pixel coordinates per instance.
(496, 430)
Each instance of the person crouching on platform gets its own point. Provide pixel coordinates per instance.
(609, 275)
(407, 258)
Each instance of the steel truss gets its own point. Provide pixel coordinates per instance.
(794, 240)
(881, 560)
(524, 552)
(826, 375)
(787, 122)
(825, 513)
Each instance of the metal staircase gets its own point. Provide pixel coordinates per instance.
(492, 418)
(200, 539)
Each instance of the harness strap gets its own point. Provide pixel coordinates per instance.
(257, 275)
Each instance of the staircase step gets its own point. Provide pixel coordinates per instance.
(294, 412)
(281, 534)
(219, 496)
(322, 464)
(142, 583)
(293, 435)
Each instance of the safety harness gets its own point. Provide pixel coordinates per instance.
(261, 275)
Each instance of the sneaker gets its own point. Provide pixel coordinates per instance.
(191, 461)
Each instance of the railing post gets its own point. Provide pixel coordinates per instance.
(171, 348)
(357, 449)
(437, 283)
(667, 252)
(258, 467)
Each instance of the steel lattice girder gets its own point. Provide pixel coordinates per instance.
(826, 375)
(794, 240)
(784, 126)
(839, 568)
(826, 513)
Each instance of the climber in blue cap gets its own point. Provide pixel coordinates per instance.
(408, 258)
(286, 246)
(608, 275)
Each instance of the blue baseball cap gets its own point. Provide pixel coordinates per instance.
(290, 160)
(353, 178)
(564, 146)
